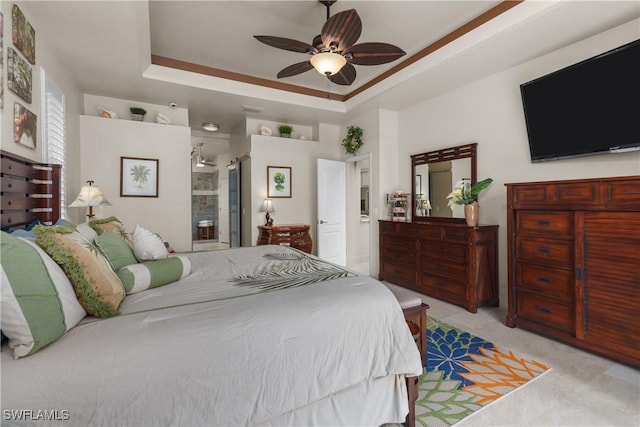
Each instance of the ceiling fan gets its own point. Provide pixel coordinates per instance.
(333, 52)
(201, 161)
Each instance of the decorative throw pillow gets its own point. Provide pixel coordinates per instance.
(86, 231)
(38, 302)
(97, 287)
(112, 224)
(148, 246)
(151, 274)
(116, 250)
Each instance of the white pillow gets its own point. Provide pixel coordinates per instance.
(148, 246)
(87, 232)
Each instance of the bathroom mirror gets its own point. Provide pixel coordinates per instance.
(433, 176)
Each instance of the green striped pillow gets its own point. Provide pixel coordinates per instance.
(38, 301)
(152, 274)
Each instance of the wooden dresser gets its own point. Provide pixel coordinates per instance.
(449, 261)
(574, 262)
(294, 235)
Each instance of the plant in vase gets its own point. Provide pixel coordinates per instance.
(137, 113)
(466, 194)
(285, 130)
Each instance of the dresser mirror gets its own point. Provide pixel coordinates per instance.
(433, 176)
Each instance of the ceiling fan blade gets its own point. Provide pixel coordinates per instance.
(373, 53)
(294, 69)
(317, 43)
(342, 30)
(286, 44)
(345, 76)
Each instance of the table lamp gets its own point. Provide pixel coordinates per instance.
(90, 196)
(267, 206)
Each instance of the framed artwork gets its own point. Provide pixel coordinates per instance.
(25, 126)
(278, 181)
(24, 36)
(138, 177)
(19, 76)
(1, 62)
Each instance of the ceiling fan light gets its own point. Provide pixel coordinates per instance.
(328, 63)
(211, 127)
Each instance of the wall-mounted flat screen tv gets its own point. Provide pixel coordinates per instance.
(592, 107)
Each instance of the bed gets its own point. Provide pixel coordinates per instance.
(266, 335)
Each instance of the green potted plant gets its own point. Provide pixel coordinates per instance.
(353, 140)
(466, 195)
(285, 130)
(137, 113)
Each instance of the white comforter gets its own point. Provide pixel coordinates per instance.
(197, 353)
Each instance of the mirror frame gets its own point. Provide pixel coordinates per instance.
(452, 153)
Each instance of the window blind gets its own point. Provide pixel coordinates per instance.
(53, 129)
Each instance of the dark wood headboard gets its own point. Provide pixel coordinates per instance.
(30, 191)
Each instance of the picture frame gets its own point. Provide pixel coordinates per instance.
(278, 182)
(24, 36)
(25, 128)
(138, 177)
(19, 75)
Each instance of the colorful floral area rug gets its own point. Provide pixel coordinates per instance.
(464, 373)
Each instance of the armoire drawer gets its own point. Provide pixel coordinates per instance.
(546, 251)
(546, 311)
(578, 193)
(549, 223)
(554, 282)
(622, 193)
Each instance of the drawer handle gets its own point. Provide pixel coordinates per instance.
(544, 222)
(442, 250)
(544, 251)
(544, 310)
(573, 193)
(544, 279)
(631, 192)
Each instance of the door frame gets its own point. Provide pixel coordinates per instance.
(354, 159)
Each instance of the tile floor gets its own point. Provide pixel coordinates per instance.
(209, 245)
(581, 389)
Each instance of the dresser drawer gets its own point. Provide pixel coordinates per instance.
(530, 194)
(398, 244)
(442, 284)
(557, 283)
(446, 268)
(622, 193)
(540, 309)
(549, 223)
(547, 251)
(399, 274)
(578, 193)
(460, 234)
(441, 250)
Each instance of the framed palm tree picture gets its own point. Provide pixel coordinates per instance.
(138, 177)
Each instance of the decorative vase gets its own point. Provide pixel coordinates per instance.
(471, 213)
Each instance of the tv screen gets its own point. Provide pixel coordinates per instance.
(591, 107)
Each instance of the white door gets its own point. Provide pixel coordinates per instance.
(332, 219)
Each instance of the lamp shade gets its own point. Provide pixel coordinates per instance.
(90, 195)
(267, 206)
(328, 63)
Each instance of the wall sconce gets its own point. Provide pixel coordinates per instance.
(89, 196)
(267, 206)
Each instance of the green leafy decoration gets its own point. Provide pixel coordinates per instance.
(440, 401)
(295, 269)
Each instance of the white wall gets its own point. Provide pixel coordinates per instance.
(490, 113)
(104, 141)
(301, 156)
(46, 59)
